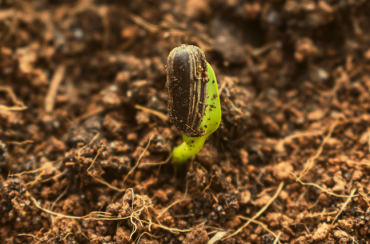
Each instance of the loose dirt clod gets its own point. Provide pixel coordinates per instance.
(197, 236)
(321, 232)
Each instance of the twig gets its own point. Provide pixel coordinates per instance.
(210, 182)
(53, 88)
(171, 205)
(55, 176)
(353, 240)
(151, 111)
(19, 143)
(223, 85)
(69, 233)
(11, 93)
(138, 161)
(299, 135)
(26, 172)
(37, 178)
(143, 23)
(156, 164)
(12, 108)
(280, 187)
(322, 214)
(25, 234)
(356, 163)
(91, 141)
(345, 204)
(138, 239)
(60, 196)
(19, 106)
(89, 114)
(172, 230)
(277, 238)
(219, 235)
(255, 52)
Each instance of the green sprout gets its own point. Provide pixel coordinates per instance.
(210, 122)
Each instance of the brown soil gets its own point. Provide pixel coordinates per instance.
(85, 138)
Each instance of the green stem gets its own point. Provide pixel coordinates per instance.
(211, 121)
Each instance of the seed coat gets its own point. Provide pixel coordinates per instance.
(186, 87)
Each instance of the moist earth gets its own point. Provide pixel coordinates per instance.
(85, 137)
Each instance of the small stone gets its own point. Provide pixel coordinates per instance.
(340, 234)
(208, 155)
(244, 156)
(142, 118)
(321, 232)
(357, 175)
(284, 195)
(323, 199)
(132, 136)
(324, 6)
(367, 54)
(262, 201)
(275, 57)
(344, 224)
(197, 236)
(315, 115)
(244, 197)
(161, 195)
(282, 170)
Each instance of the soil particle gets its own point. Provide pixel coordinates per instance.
(161, 195)
(357, 175)
(197, 236)
(304, 49)
(342, 235)
(3, 151)
(197, 180)
(339, 183)
(244, 197)
(273, 219)
(261, 201)
(142, 118)
(282, 170)
(321, 233)
(244, 157)
(208, 156)
(300, 240)
(324, 200)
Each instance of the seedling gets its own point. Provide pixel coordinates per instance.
(193, 100)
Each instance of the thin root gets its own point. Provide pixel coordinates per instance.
(311, 161)
(345, 204)
(319, 187)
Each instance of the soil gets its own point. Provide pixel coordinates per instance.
(85, 139)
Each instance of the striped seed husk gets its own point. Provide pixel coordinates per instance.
(186, 87)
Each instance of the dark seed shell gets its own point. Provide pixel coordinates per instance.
(186, 87)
